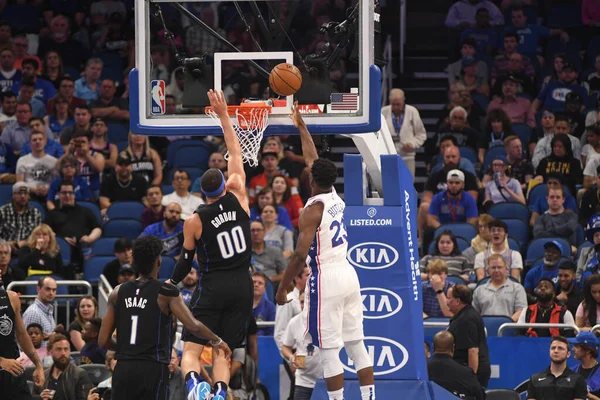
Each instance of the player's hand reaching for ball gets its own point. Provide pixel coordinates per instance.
(218, 103)
(296, 116)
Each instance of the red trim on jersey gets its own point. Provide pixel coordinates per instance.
(319, 286)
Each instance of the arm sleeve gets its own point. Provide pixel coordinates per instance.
(288, 240)
(29, 258)
(568, 318)
(83, 386)
(496, 17)
(169, 290)
(282, 319)
(419, 132)
(452, 17)
(434, 206)
(523, 314)
(581, 390)
(284, 218)
(529, 280)
(520, 301)
(517, 260)
(475, 302)
(530, 390)
(478, 261)
(538, 227)
(280, 263)
(287, 338)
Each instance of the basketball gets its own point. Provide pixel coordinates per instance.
(285, 79)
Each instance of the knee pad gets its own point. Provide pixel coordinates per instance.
(332, 366)
(357, 352)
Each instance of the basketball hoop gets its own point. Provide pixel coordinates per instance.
(250, 122)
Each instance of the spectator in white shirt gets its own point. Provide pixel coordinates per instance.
(188, 202)
(498, 245)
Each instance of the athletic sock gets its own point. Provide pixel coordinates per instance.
(336, 395)
(192, 379)
(367, 392)
(220, 389)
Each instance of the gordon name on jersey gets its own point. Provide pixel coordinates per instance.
(227, 216)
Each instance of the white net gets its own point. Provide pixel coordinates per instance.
(249, 125)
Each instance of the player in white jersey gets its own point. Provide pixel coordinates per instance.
(333, 306)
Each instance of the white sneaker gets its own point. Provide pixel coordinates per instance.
(201, 392)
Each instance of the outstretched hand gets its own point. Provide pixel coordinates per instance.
(218, 103)
(296, 116)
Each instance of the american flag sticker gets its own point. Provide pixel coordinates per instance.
(344, 102)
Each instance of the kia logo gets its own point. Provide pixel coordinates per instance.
(379, 303)
(372, 255)
(388, 356)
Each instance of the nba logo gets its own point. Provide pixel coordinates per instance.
(158, 97)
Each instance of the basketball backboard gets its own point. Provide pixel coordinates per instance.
(185, 48)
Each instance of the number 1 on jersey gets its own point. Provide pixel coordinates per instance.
(134, 323)
(340, 235)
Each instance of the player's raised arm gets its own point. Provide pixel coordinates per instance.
(308, 145)
(235, 164)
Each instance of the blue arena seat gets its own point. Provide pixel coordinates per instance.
(65, 250)
(431, 331)
(92, 206)
(117, 132)
(535, 248)
(523, 131)
(125, 210)
(510, 211)
(40, 207)
(469, 154)
(537, 192)
(92, 269)
(177, 144)
(104, 246)
(481, 99)
(463, 244)
(518, 230)
(166, 267)
(130, 228)
(167, 189)
(580, 235)
(513, 244)
(457, 280)
(493, 322)
(490, 155)
(96, 372)
(192, 156)
(5, 193)
(464, 230)
(121, 145)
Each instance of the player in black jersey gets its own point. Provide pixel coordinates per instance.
(13, 384)
(142, 310)
(219, 232)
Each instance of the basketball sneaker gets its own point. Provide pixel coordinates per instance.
(200, 391)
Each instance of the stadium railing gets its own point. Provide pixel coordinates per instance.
(511, 325)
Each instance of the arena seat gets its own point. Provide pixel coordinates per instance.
(463, 244)
(523, 131)
(431, 331)
(125, 210)
(96, 372)
(457, 280)
(104, 246)
(580, 235)
(92, 269)
(117, 132)
(502, 394)
(121, 145)
(192, 156)
(535, 248)
(178, 144)
(167, 189)
(468, 153)
(92, 206)
(130, 228)
(493, 322)
(38, 206)
(166, 267)
(513, 244)
(490, 155)
(464, 230)
(5, 193)
(510, 211)
(65, 250)
(518, 230)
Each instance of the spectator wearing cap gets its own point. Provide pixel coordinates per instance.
(452, 205)
(112, 109)
(502, 189)
(516, 72)
(553, 96)
(556, 222)
(126, 273)
(561, 162)
(18, 218)
(557, 382)
(122, 249)
(154, 211)
(553, 251)
(576, 119)
(269, 160)
(585, 350)
(101, 144)
(88, 86)
(37, 168)
(540, 206)
(531, 34)
(502, 63)
(498, 245)
(516, 107)
(544, 146)
(169, 231)
(44, 90)
(468, 76)
(188, 202)
(438, 182)
(462, 14)
(123, 185)
(483, 34)
(546, 311)
(68, 170)
(567, 291)
(588, 254)
(52, 147)
(404, 122)
(499, 295)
